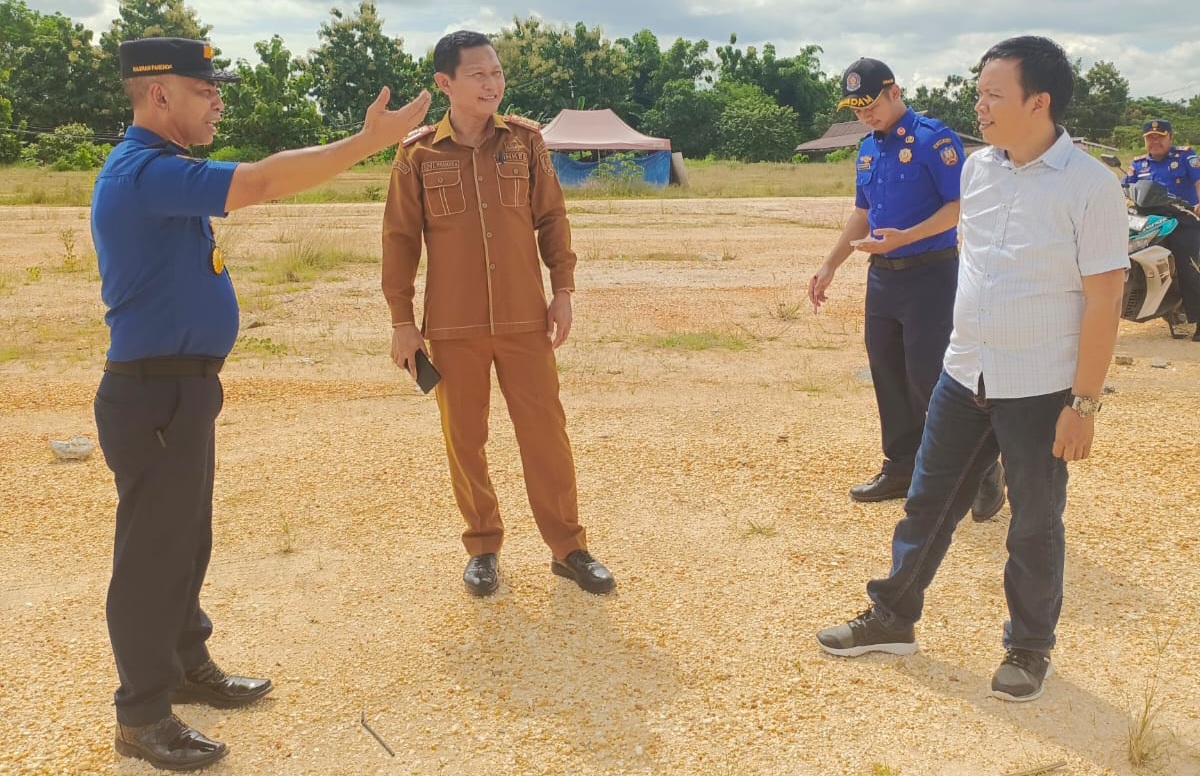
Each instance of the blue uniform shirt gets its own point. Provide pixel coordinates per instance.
(154, 241)
(907, 175)
(1178, 171)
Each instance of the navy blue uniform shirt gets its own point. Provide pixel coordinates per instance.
(907, 175)
(151, 210)
(1178, 171)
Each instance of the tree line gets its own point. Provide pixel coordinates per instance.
(61, 100)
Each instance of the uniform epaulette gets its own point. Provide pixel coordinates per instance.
(417, 134)
(1184, 148)
(1141, 158)
(521, 121)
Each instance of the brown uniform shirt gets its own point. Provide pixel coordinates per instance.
(478, 210)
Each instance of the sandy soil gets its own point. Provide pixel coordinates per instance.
(713, 482)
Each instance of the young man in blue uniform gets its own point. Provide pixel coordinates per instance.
(1177, 168)
(173, 317)
(905, 217)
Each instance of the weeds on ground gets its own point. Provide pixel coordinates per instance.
(285, 540)
(879, 769)
(308, 258)
(71, 261)
(754, 528)
(33, 274)
(1145, 741)
(264, 346)
(700, 340)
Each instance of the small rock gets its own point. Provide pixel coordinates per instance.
(1122, 360)
(255, 324)
(781, 438)
(1160, 363)
(1109, 390)
(74, 449)
(863, 375)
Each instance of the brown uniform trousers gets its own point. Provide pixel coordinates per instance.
(478, 210)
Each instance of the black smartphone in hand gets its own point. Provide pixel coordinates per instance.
(427, 376)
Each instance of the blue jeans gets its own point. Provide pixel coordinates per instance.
(963, 435)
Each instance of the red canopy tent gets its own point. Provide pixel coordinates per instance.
(597, 130)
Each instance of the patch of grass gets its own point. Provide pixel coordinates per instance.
(8, 284)
(879, 769)
(13, 353)
(753, 528)
(700, 340)
(21, 185)
(308, 258)
(261, 346)
(787, 308)
(285, 540)
(1145, 741)
(33, 274)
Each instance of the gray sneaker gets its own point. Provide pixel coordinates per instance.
(867, 633)
(1021, 676)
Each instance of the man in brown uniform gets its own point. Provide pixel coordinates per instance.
(478, 186)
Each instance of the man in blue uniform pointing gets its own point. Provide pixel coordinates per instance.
(173, 317)
(1177, 168)
(905, 217)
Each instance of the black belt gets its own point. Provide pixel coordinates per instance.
(916, 260)
(166, 367)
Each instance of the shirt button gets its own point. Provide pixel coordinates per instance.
(479, 178)
(489, 234)
(491, 266)
(485, 206)
(441, 179)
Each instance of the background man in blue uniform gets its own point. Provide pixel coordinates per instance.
(173, 317)
(905, 217)
(1177, 168)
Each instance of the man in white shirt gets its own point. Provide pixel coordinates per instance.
(1040, 283)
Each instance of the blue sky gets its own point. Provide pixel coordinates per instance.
(1151, 42)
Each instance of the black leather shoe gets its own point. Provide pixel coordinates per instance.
(990, 497)
(482, 576)
(881, 488)
(211, 686)
(587, 572)
(169, 744)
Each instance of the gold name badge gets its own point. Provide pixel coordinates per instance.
(218, 261)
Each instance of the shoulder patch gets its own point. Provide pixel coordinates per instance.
(1141, 158)
(417, 134)
(521, 121)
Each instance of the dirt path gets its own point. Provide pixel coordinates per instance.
(712, 481)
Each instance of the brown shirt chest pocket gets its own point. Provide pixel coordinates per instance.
(514, 183)
(443, 192)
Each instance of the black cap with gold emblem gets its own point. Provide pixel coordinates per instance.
(863, 81)
(171, 56)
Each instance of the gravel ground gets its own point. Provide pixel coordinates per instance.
(712, 482)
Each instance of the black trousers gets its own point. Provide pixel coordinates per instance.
(157, 434)
(910, 314)
(1184, 243)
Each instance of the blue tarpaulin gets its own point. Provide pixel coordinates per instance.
(654, 168)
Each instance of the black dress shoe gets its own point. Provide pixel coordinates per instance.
(587, 572)
(881, 488)
(482, 576)
(990, 497)
(169, 744)
(211, 686)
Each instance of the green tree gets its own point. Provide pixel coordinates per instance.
(141, 19)
(16, 31)
(644, 59)
(53, 80)
(549, 68)
(270, 108)
(1098, 104)
(796, 82)
(10, 141)
(953, 103)
(354, 59)
(687, 116)
(752, 127)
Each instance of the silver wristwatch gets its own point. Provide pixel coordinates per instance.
(1083, 405)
